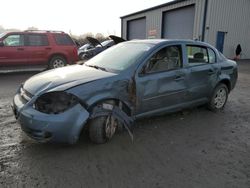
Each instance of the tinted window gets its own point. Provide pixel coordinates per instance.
(168, 58)
(63, 39)
(37, 40)
(14, 40)
(212, 56)
(197, 55)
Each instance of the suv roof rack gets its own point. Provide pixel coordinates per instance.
(45, 31)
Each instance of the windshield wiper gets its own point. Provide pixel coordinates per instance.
(97, 67)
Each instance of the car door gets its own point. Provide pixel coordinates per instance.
(38, 48)
(161, 84)
(13, 51)
(204, 71)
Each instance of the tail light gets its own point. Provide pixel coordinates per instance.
(75, 54)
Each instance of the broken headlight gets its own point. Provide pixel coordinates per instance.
(55, 102)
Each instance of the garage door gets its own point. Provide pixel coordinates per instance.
(136, 29)
(179, 23)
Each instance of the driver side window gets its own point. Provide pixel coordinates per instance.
(14, 40)
(167, 58)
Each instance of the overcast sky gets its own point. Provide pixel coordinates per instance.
(77, 16)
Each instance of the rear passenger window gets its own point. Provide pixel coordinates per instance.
(37, 40)
(212, 56)
(63, 39)
(197, 55)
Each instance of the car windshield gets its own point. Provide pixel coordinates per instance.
(104, 43)
(84, 46)
(119, 57)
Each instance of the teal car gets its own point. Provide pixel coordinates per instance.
(131, 80)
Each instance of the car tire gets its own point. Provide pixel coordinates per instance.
(102, 129)
(57, 61)
(218, 98)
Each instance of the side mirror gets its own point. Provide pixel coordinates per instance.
(1, 43)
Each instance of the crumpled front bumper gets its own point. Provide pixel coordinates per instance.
(61, 128)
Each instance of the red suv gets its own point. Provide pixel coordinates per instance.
(47, 48)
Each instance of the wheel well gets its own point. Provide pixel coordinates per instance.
(61, 55)
(124, 107)
(227, 83)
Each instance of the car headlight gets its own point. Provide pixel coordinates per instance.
(55, 102)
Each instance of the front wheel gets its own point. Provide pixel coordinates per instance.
(56, 62)
(102, 129)
(218, 98)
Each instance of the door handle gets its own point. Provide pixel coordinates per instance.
(20, 49)
(210, 72)
(48, 48)
(179, 77)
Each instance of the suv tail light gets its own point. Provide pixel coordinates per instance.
(75, 53)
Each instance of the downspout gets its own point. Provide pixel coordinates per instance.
(122, 28)
(204, 21)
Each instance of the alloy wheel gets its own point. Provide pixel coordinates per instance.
(220, 98)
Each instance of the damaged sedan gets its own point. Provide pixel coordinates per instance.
(131, 80)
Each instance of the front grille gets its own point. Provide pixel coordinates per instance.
(25, 95)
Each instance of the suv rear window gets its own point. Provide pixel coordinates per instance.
(62, 39)
(37, 40)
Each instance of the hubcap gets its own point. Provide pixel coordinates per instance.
(58, 63)
(220, 98)
(110, 126)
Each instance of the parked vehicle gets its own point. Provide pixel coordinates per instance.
(50, 49)
(84, 48)
(98, 47)
(131, 80)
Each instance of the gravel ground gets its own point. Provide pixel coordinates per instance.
(193, 148)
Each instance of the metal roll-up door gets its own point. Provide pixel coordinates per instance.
(179, 23)
(136, 29)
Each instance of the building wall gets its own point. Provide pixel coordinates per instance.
(230, 16)
(154, 19)
(233, 17)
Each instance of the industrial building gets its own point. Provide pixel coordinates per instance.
(222, 23)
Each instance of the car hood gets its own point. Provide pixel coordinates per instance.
(63, 78)
(116, 39)
(93, 41)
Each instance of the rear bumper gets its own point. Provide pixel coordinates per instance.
(74, 59)
(60, 128)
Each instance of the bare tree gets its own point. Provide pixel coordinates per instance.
(2, 29)
(32, 28)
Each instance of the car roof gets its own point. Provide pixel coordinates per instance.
(34, 32)
(166, 41)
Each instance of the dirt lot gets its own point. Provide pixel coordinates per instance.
(194, 148)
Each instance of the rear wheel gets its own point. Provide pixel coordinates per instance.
(56, 62)
(218, 98)
(102, 129)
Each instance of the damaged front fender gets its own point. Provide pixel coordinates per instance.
(64, 127)
(117, 113)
